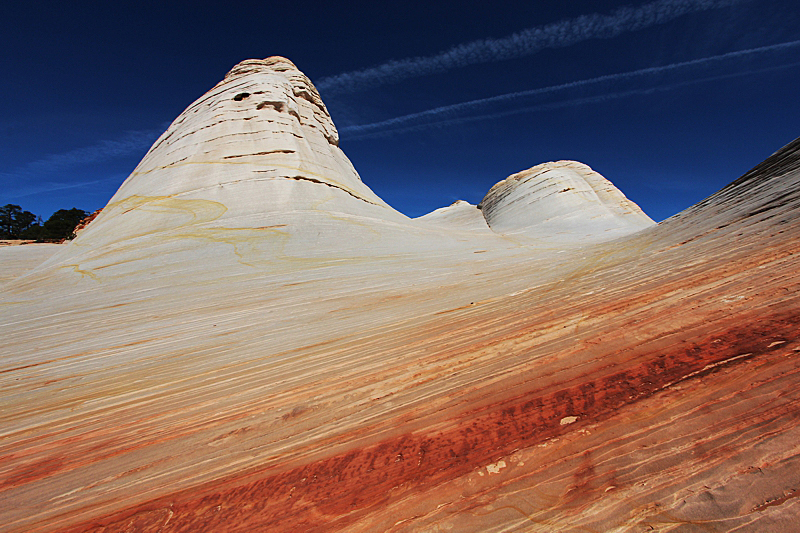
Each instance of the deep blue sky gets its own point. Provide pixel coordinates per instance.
(693, 94)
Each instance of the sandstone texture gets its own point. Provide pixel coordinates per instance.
(563, 200)
(18, 257)
(246, 338)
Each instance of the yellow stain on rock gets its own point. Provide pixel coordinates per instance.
(199, 210)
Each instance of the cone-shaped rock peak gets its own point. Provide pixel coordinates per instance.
(258, 144)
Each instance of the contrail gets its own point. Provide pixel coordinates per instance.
(562, 104)
(521, 44)
(364, 130)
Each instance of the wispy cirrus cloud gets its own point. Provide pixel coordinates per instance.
(31, 178)
(449, 114)
(30, 189)
(524, 43)
(129, 143)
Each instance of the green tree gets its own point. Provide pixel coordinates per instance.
(14, 221)
(62, 224)
(34, 232)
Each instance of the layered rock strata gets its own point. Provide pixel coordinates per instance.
(563, 200)
(225, 348)
(258, 151)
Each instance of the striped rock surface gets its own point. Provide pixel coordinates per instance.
(561, 201)
(248, 339)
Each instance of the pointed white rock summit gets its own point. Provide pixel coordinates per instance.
(260, 144)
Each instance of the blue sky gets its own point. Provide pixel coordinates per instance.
(669, 99)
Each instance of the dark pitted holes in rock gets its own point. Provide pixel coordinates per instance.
(277, 106)
(241, 96)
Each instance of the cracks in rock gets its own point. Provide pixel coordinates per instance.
(200, 129)
(280, 151)
(792, 493)
(280, 107)
(237, 134)
(331, 140)
(321, 182)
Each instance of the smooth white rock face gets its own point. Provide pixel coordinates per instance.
(460, 215)
(255, 151)
(562, 200)
(17, 260)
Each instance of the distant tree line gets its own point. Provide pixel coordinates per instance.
(18, 224)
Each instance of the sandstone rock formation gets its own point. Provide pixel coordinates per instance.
(560, 201)
(248, 339)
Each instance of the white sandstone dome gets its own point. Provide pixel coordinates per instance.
(561, 200)
(259, 144)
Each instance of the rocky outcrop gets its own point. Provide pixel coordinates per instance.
(257, 148)
(86, 221)
(562, 200)
(234, 345)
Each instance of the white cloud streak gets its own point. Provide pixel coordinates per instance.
(129, 143)
(18, 182)
(524, 43)
(434, 116)
(50, 186)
